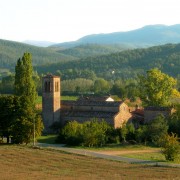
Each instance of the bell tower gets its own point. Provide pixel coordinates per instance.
(50, 101)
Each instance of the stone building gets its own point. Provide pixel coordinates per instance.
(55, 110)
(50, 101)
(151, 113)
(113, 112)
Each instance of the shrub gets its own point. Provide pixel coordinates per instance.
(170, 146)
(90, 133)
(95, 133)
(71, 133)
(157, 129)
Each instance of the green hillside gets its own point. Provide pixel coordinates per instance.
(88, 50)
(126, 64)
(10, 51)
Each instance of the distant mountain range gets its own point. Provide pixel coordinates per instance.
(90, 47)
(38, 43)
(144, 37)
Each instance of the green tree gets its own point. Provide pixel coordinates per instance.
(157, 129)
(7, 85)
(170, 146)
(123, 131)
(101, 86)
(141, 134)
(8, 113)
(131, 131)
(25, 88)
(156, 88)
(24, 83)
(71, 133)
(90, 133)
(132, 91)
(119, 90)
(95, 133)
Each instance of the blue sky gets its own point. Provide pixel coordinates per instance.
(68, 20)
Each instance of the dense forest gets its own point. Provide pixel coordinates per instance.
(10, 51)
(89, 50)
(92, 60)
(125, 64)
(116, 72)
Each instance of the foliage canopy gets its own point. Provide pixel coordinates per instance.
(156, 88)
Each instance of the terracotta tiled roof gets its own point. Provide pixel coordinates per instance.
(93, 98)
(93, 103)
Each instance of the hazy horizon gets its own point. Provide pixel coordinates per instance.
(66, 20)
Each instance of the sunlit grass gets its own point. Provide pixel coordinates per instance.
(119, 147)
(152, 156)
(67, 98)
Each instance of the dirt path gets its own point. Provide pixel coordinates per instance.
(115, 157)
(120, 152)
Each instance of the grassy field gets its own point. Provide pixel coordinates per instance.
(68, 98)
(20, 162)
(133, 151)
(153, 156)
(120, 147)
(49, 139)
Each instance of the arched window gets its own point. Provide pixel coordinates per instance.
(47, 86)
(56, 86)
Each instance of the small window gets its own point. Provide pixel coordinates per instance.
(47, 86)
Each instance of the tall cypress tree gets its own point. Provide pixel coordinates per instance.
(25, 88)
(24, 84)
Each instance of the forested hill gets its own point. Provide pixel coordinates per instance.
(10, 51)
(88, 50)
(124, 64)
(143, 37)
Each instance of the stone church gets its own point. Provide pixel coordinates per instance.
(55, 110)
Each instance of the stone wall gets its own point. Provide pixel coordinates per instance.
(123, 116)
(50, 101)
(151, 113)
